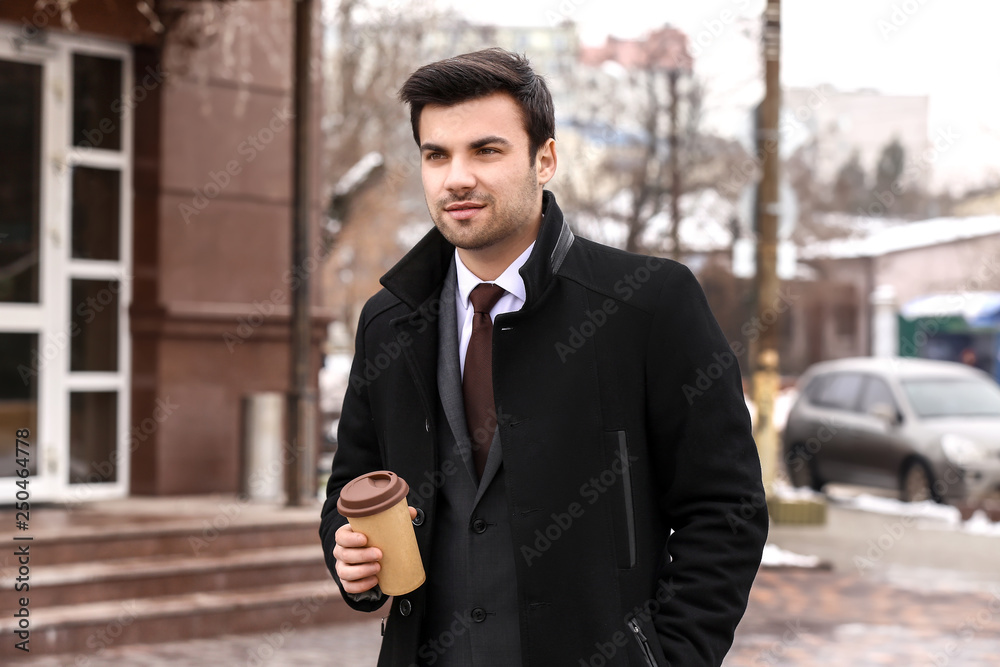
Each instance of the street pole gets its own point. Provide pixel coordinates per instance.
(675, 167)
(766, 379)
(301, 399)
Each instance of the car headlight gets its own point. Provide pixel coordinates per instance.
(962, 451)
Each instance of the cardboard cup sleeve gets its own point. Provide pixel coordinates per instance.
(375, 504)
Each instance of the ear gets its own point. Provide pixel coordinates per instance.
(545, 161)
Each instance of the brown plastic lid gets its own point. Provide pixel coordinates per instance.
(371, 493)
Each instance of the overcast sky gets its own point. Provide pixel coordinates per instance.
(947, 49)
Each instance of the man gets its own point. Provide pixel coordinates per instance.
(582, 476)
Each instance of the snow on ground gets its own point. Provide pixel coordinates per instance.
(932, 514)
(775, 556)
(786, 491)
(980, 524)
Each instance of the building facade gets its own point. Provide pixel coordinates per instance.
(145, 229)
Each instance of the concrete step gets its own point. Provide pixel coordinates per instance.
(189, 537)
(89, 629)
(124, 579)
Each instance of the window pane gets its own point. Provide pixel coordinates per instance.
(97, 85)
(840, 391)
(876, 392)
(96, 212)
(94, 325)
(19, 365)
(93, 431)
(20, 182)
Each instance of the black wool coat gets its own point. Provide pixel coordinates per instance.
(632, 480)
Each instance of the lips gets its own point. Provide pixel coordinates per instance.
(463, 210)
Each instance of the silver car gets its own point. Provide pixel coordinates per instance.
(930, 429)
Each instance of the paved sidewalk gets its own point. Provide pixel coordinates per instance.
(800, 618)
(813, 618)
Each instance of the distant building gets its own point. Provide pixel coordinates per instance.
(665, 48)
(836, 124)
(832, 316)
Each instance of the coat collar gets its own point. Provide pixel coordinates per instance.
(419, 274)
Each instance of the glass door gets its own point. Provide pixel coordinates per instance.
(65, 240)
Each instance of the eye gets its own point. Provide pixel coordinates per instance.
(488, 151)
(434, 156)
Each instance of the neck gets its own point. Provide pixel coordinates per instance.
(489, 262)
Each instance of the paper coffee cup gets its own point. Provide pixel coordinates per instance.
(375, 504)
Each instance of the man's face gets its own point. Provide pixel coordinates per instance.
(481, 189)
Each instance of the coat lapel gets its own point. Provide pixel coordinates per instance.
(450, 372)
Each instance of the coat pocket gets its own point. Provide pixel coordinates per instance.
(623, 512)
(640, 636)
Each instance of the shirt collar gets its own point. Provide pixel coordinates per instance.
(510, 279)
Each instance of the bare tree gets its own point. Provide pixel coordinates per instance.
(650, 147)
(372, 51)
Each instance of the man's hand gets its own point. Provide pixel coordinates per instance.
(357, 564)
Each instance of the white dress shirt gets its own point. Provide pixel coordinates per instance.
(510, 280)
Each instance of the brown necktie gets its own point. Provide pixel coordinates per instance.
(477, 383)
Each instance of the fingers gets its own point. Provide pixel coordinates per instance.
(413, 513)
(357, 565)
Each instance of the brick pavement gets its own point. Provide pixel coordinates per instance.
(819, 618)
(800, 618)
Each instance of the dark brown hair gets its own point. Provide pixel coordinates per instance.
(478, 74)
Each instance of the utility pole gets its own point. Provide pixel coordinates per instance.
(766, 379)
(675, 166)
(301, 409)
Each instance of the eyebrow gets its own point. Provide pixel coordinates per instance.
(478, 143)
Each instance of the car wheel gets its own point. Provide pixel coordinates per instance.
(802, 469)
(916, 483)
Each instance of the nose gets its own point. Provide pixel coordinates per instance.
(460, 177)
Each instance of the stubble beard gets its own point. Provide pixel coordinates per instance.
(502, 223)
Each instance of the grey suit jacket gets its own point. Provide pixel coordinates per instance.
(472, 617)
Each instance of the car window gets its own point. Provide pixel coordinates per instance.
(876, 391)
(840, 391)
(811, 390)
(953, 397)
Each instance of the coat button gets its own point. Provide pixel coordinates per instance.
(419, 519)
(404, 607)
(478, 615)
(479, 526)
